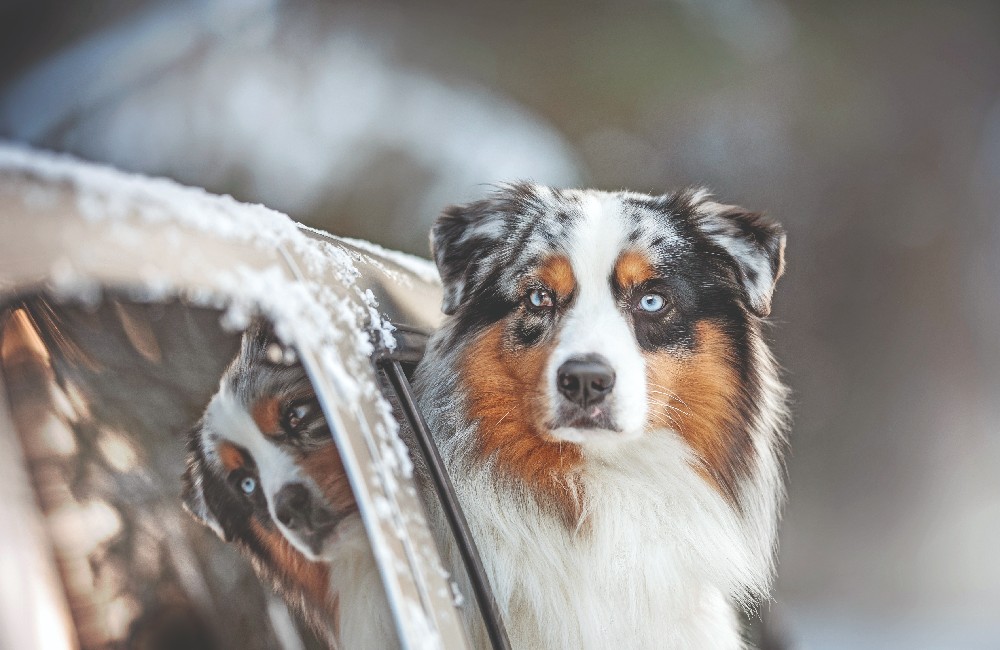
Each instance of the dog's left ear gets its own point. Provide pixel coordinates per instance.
(756, 244)
(461, 240)
(193, 488)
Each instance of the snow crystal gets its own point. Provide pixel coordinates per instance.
(65, 282)
(382, 507)
(402, 453)
(456, 594)
(380, 325)
(347, 389)
(156, 287)
(427, 636)
(274, 353)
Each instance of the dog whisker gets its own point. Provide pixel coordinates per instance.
(504, 416)
(665, 391)
(651, 401)
(661, 416)
(674, 408)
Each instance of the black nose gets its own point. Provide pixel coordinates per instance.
(585, 380)
(293, 506)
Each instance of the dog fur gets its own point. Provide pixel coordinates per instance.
(646, 517)
(264, 473)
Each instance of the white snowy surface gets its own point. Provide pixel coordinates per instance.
(104, 193)
(326, 309)
(423, 268)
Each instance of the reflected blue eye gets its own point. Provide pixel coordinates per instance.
(248, 485)
(652, 302)
(540, 298)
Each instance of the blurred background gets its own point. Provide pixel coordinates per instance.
(871, 130)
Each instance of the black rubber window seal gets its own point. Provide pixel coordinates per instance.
(467, 549)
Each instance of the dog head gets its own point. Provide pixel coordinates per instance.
(588, 318)
(263, 470)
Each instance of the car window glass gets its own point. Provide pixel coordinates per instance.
(185, 480)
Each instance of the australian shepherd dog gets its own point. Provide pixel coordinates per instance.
(609, 411)
(264, 473)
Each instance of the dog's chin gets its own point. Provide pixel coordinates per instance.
(587, 436)
(595, 425)
(571, 423)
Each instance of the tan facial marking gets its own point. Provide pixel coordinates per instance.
(325, 467)
(294, 570)
(633, 268)
(507, 399)
(230, 456)
(266, 414)
(557, 274)
(699, 398)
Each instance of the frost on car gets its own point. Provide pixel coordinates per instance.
(139, 322)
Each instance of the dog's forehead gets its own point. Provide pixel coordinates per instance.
(228, 421)
(591, 228)
(224, 422)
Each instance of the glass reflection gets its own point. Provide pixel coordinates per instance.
(264, 473)
(103, 398)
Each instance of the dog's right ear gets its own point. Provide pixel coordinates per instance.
(462, 237)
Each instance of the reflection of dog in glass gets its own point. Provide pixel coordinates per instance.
(264, 472)
(609, 410)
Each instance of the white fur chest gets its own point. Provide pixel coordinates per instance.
(652, 565)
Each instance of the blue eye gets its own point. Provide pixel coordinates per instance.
(540, 298)
(248, 485)
(652, 302)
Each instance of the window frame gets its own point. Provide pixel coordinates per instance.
(391, 363)
(53, 221)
